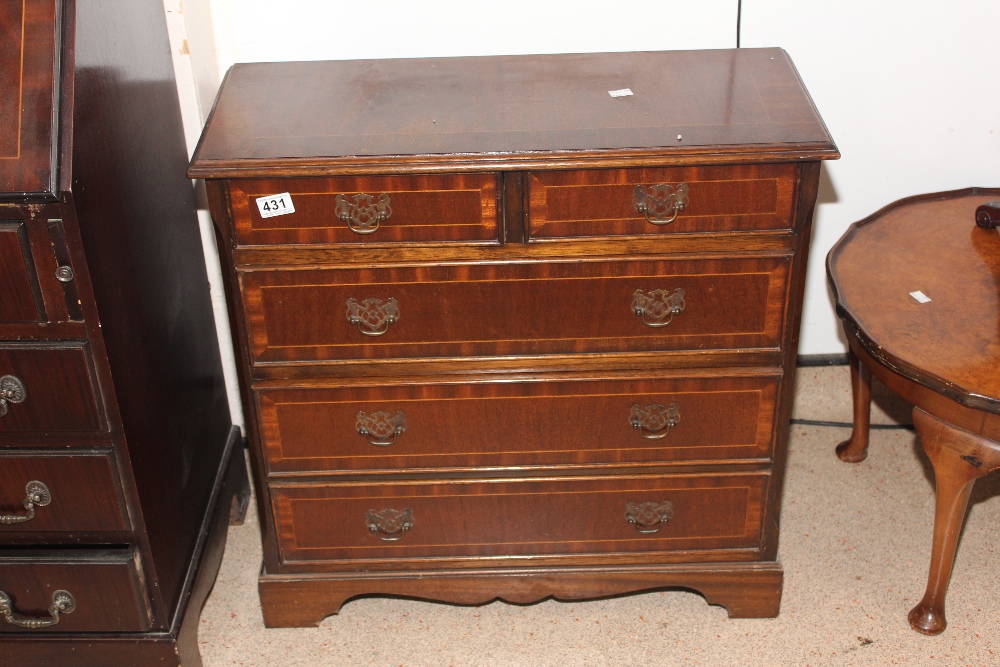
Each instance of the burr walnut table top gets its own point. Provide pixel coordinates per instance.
(931, 245)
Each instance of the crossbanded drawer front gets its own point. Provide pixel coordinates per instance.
(368, 209)
(47, 389)
(596, 515)
(640, 202)
(21, 299)
(515, 309)
(518, 423)
(69, 591)
(76, 494)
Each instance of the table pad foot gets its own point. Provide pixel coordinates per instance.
(927, 620)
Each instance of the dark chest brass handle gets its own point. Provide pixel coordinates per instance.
(363, 213)
(38, 495)
(62, 603)
(380, 428)
(373, 316)
(11, 391)
(649, 517)
(660, 203)
(657, 308)
(654, 421)
(389, 524)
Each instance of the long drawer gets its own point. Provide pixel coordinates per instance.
(100, 586)
(621, 514)
(367, 209)
(515, 309)
(70, 495)
(649, 201)
(48, 388)
(545, 423)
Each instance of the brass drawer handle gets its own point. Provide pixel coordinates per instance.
(38, 496)
(649, 517)
(364, 214)
(381, 428)
(657, 308)
(654, 421)
(389, 524)
(373, 316)
(62, 603)
(11, 391)
(660, 203)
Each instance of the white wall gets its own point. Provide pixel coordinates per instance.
(907, 87)
(262, 30)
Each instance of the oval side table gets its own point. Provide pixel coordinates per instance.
(917, 287)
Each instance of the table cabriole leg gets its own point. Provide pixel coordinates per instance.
(959, 459)
(855, 449)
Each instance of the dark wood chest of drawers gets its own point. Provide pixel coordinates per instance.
(509, 331)
(118, 458)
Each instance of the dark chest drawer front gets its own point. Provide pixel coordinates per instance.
(511, 424)
(103, 587)
(640, 202)
(515, 309)
(72, 495)
(368, 209)
(28, 47)
(51, 389)
(20, 296)
(599, 515)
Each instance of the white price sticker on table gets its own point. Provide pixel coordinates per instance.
(273, 205)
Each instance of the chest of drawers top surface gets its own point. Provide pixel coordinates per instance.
(426, 114)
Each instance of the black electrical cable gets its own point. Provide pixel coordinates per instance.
(819, 422)
(739, 14)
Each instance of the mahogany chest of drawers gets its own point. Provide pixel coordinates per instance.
(118, 457)
(516, 327)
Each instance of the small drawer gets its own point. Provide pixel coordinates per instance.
(47, 389)
(75, 494)
(515, 309)
(21, 299)
(641, 202)
(544, 423)
(368, 209)
(93, 590)
(477, 518)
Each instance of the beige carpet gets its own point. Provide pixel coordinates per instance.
(855, 546)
